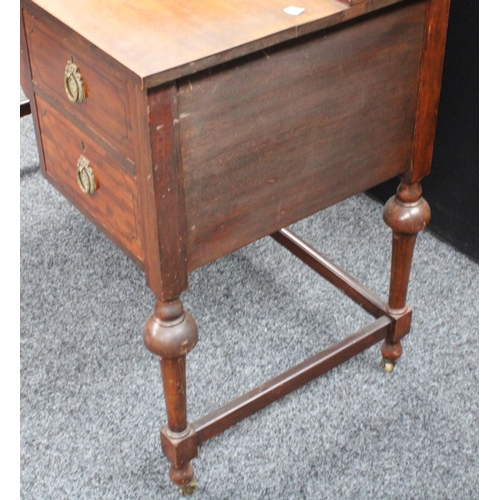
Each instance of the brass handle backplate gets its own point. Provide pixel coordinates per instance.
(73, 82)
(85, 176)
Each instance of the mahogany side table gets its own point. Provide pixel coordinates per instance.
(187, 129)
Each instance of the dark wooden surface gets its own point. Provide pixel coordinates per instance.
(265, 143)
(106, 107)
(171, 333)
(26, 84)
(162, 197)
(406, 213)
(24, 67)
(190, 168)
(114, 204)
(429, 88)
(199, 34)
(352, 2)
(452, 189)
(168, 190)
(91, 126)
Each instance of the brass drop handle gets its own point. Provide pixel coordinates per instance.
(73, 82)
(85, 176)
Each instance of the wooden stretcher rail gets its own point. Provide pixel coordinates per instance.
(218, 421)
(332, 273)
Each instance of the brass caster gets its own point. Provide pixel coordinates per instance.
(387, 366)
(189, 488)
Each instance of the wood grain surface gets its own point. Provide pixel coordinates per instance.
(106, 107)
(113, 207)
(239, 120)
(25, 72)
(161, 40)
(165, 179)
(430, 88)
(278, 136)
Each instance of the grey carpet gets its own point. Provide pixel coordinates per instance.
(91, 396)
(29, 153)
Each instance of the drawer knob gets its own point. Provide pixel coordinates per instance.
(73, 82)
(85, 176)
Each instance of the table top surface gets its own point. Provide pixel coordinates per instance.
(160, 40)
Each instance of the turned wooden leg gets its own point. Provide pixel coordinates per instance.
(170, 332)
(406, 214)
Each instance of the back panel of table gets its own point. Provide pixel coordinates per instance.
(270, 139)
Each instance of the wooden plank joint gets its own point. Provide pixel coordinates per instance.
(401, 323)
(179, 448)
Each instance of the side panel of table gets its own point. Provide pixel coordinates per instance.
(270, 139)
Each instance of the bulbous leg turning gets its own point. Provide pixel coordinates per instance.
(170, 333)
(406, 214)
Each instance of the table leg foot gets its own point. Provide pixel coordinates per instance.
(391, 352)
(184, 478)
(189, 489)
(387, 366)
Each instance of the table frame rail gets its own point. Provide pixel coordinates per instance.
(386, 323)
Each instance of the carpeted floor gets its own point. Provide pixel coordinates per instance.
(91, 396)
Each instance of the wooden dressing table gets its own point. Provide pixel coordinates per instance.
(186, 129)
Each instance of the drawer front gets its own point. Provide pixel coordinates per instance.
(113, 204)
(105, 107)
